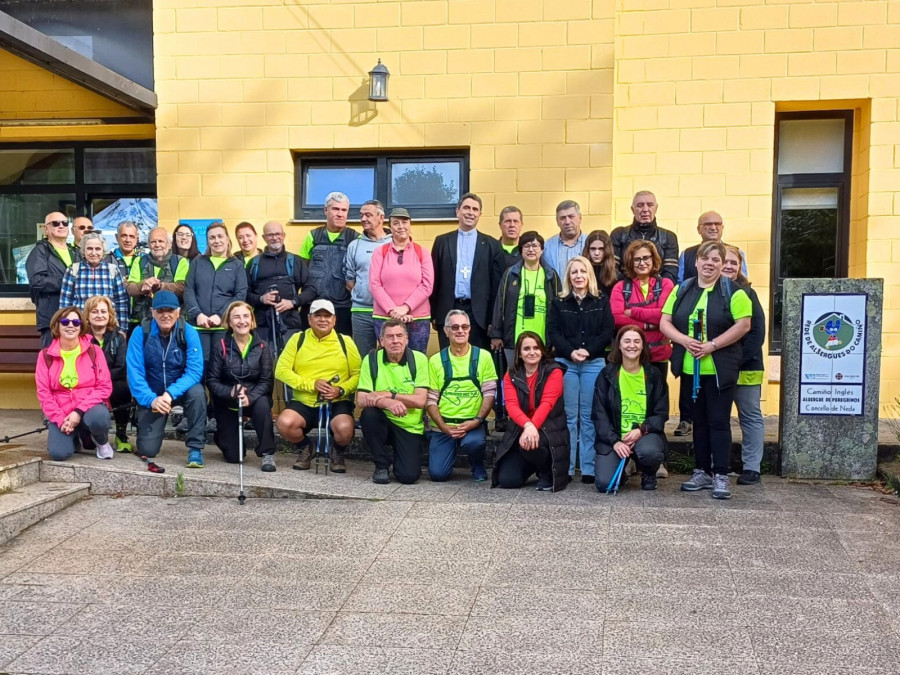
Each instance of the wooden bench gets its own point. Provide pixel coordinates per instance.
(19, 347)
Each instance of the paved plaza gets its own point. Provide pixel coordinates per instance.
(786, 578)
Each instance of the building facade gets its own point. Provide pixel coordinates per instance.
(781, 116)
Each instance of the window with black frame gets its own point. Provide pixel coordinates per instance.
(428, 184)
(811, 219)
(72, 178)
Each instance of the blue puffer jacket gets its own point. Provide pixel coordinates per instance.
(154, 368)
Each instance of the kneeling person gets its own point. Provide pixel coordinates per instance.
(165, 368)
(322, 367)
(461, 391)
(393, 387)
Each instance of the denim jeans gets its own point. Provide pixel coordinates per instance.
(442, 452)
(578, 394)
(363, 332)
(746, 398)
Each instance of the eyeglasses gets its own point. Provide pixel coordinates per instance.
(184, 233)
(57, 223)
(277, 235)
(67, 321)
(458, 327)
(532, 244)
(643, 259)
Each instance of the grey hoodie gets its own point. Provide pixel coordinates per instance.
(356, 268)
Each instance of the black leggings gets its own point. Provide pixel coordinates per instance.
(517, 465)
(712, 425)
(226, 436)
(686, 397)
(119, 401)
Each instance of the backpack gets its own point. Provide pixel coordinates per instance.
(383, 251)
(687, 284)
(474, 355)
(254, 266)
(180, 338)
(628, 287)
(373, 364)
(147, 264)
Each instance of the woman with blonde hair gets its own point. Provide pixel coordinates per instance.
(580, 328)
(73, 385)
(104, 328)
(241, 367)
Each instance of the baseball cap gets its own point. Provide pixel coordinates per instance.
(165, 300)
(321, 304)
(399, 213)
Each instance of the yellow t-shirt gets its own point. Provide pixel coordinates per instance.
(69, 375)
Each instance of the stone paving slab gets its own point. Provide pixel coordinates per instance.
(457, 578)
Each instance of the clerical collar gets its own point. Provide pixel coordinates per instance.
(470, 233)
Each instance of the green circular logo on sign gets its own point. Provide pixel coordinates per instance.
(833, 332)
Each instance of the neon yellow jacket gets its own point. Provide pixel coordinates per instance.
(318, 360)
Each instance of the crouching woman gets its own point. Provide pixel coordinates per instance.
(73, 385)
(631, 406)
(537, 440)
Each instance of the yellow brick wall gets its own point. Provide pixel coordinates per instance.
(526, 84)
(696, 91)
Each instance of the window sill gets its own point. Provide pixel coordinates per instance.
(16, 305)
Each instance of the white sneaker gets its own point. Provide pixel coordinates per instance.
(661, 472)
(105, 451)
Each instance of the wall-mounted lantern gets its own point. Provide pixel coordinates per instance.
(378, 82)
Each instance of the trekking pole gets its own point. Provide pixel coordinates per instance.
(324, 408)
(7, 439)
(698, 335)
(327, 434)
(241, 496)
(276, 351)
(617, 476)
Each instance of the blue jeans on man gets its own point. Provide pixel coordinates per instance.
(442, 454)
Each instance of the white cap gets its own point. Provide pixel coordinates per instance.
(320, 304)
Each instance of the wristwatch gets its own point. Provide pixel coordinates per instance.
(480, 419)
(393, 394)
(341, 392)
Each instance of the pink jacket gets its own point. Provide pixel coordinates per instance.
(660, 347)
(93, 388)
(393, 284)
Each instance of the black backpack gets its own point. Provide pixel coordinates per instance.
(373, 364)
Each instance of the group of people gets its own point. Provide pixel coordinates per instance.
(582, 328)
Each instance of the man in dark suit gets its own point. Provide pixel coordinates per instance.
(467, 270)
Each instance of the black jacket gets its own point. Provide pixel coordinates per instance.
(115, 346)
(718, 319)
(209, 291)
(588, 325)
(606, 412)
(503, 323)
(45, 271)
(554, 430)
(666, 243)
(752, 344)
(487, 268)
(227, 368)
(510, 259)
(270, 269)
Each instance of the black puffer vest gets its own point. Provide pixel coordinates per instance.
(554, 430)
(718, 319)
(140, 307)
(326, 265)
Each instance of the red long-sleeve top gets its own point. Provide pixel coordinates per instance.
(537, 415)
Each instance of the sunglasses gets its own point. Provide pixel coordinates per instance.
(455, 327)
(57, 223)
(400, 257)
(73, 322)
(84, 228)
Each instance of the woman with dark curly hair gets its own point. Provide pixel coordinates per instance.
(537, 440)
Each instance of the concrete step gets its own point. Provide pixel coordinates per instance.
(18, 474)
(23, 507)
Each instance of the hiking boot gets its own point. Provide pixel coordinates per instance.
(662, 472)
(183, 426)
(648, 481)
(195, 459)
(479, 473)
(684, 429)
(748, 477)
(337, 459)
(304, 456)
(211, 425)
(105, 451)
(544, 484)
(268, 463)
(122, 444)
(177, 415)
(381, 477)
(720, 487)
(587, 479)
(500, 426)
(700, 480)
